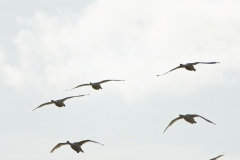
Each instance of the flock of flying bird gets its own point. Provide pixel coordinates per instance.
(76, 146)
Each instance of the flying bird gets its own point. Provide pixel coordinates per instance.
(76, 146)
(188, 117)
(58, 103)
(189, 66)
(95, 85)
(217, 157)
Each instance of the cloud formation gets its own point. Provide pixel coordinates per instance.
(110, 40)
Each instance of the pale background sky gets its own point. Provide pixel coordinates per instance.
(47, 47)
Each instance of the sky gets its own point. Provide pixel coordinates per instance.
(49, 46)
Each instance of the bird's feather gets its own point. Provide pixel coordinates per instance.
(79, 86)
(217, 157)
(84, 141)
(44, 104)
(70, 97)
(203, 63)
(57, 146)
(172, 70)
(108, 81)
(195, 115)
(173, 121)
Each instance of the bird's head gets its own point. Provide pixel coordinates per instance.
(68, 142)
(181, 65)
(181, 115)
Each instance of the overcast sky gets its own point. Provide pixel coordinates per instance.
(49, 46)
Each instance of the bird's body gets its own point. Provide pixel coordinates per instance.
(58, 103)
(95, 85)
(188, 117)
(189, 66)
(76, 146)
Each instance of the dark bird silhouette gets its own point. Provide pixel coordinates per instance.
(188, 117)
(217, 157)
(58, 103)
(95, 85)
(189, 66)
(76, 146)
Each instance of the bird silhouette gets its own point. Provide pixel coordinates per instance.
(189, 66)
(76, 146)
(217, 157)
(58, 103)
(188, 117)
(95, 85)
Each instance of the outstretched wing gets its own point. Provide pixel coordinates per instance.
(82, 142)
(204, 63)
(195, 115)
(71, 97)
(172, 123)
(79, 86)
(57, 146)
(44, 104)
(108, 81)
(217, 157)
(172, 70)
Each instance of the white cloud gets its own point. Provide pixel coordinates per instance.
(132, 40)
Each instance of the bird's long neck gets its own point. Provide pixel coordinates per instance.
(182, 116)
